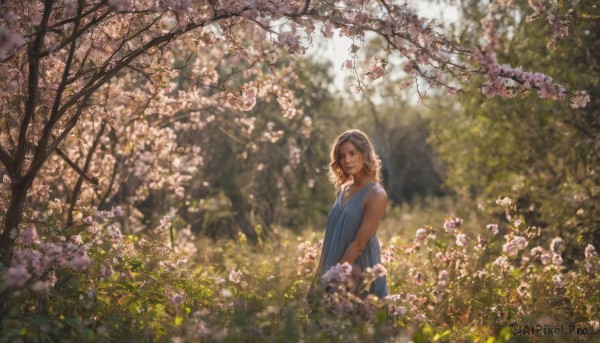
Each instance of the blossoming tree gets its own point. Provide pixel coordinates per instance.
(69, 65)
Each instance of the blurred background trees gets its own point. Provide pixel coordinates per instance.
(544, 154)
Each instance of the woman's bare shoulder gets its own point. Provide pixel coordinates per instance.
(376, 195)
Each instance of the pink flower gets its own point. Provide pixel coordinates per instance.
(398, 311)
(9, 41)
(327, 29)
(557, 259)
(545, 258)
(493, 228)
(580, 99)
(235, 276)
(29, 235)
(443, 278)
(558, 282)
(515, 245)
(461, 240)
(379, 270)
(337, 273)
(376, 72)
(165, 221)
(537, 252)
(81, 260)
(506, 201)
(177, 299)
(502, 263)
(107, 271)
(557, 245)
(449, 226)
(590, 251)
(16, 276)
(77, 239)
(117, 211)
(41, 286)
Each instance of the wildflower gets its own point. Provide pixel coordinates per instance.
(421, 234)
(398, 311)
(558, 282)
(6, 180)
(165, 222)
(411, 298)
(594, 324)
(580, 99)
(557, 245)
(114, 232)
(481, 243)
(29, 235)
(77, 239)
(40, 286)
(337, 273)
(81, 260)
(393, 297)
(523, 289)
(481, 273)
(502, 263)
(117, 211)
(388, 254)
(177, 299)
(235, 276)
(512, 248)
(545, 258)
(493, 228)
(379, 270)
(537, 252)
(450, 225)
(16, 276)
(590, 251)
(506, 201)
(461, 240)
(107, 271)
(443, 278)
(557, 260)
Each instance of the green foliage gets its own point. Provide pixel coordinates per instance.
(541, 151)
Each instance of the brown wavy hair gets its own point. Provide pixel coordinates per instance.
(363, 144)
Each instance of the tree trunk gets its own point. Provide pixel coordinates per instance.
(12, 220)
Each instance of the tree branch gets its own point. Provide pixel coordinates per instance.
(32, 87)
(7, 160)
(86, 167)
(84, 176)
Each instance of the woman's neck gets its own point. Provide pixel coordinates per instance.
(361, 179)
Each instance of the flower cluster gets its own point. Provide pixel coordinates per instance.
(515, 245)
(504, 80)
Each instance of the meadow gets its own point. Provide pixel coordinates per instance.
(453, 276)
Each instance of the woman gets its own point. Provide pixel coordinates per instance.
(360, 203)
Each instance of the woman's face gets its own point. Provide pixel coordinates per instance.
(350, 158)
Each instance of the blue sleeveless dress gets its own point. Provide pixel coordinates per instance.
(343, 223)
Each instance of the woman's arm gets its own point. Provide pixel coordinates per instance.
(375, 207)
